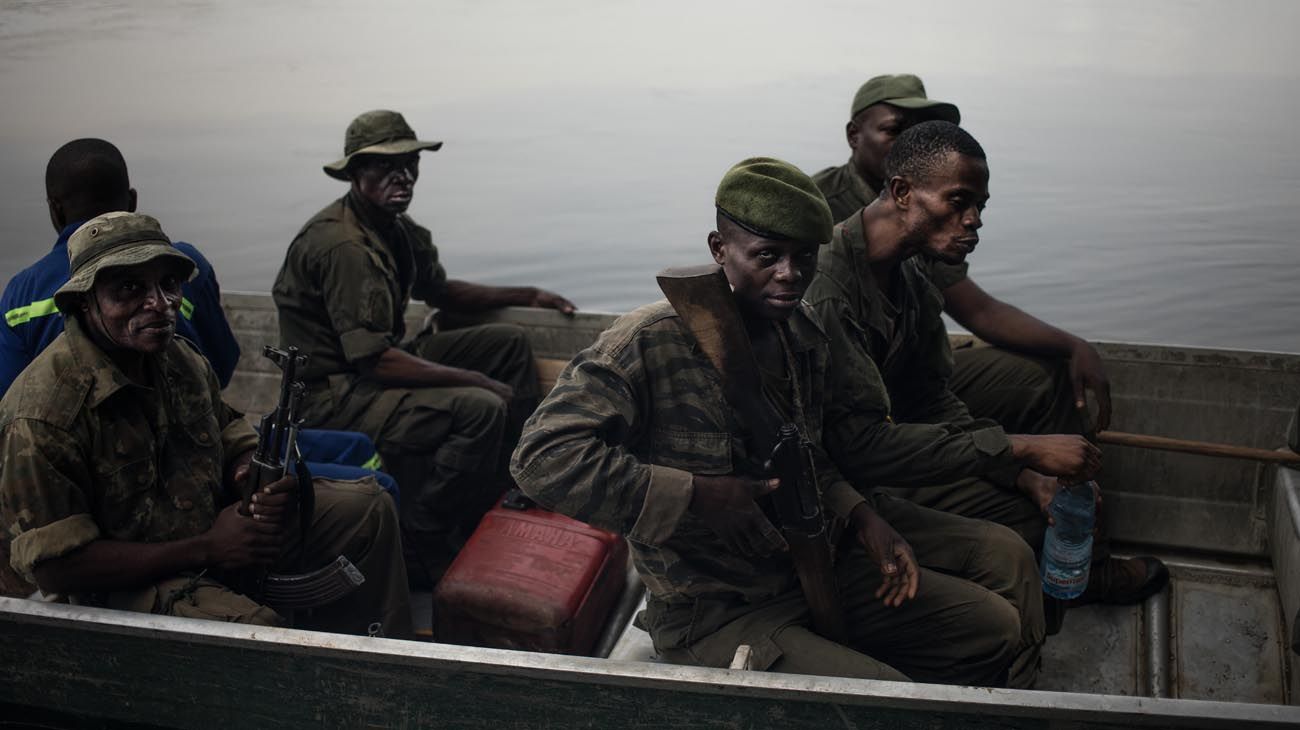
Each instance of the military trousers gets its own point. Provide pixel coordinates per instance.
(448, 447)
(976, 619)
(355, 519)
(1025, 394)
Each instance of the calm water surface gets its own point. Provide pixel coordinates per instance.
(1145, 159)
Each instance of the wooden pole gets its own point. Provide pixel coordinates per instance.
(1204, 448)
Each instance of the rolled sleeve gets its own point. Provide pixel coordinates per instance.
(359, 344)
(43, 503)
(667, 499)
(359, 301)
(54, 540)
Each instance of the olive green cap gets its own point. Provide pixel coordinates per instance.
(776, 200)
(378, 132)
(905, 91)
(114, 239)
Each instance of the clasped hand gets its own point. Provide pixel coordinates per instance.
(239, 538)
(725, 504)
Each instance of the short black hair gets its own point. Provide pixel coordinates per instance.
(87, 175)
(920, 149)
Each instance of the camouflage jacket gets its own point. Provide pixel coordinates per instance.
(616, 443)
(847, 192)
(932, 437)
(86, 454)
(343, 289)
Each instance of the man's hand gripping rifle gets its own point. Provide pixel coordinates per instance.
(276, 447)
(703, 300)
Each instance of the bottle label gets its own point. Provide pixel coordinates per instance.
(1065, 567)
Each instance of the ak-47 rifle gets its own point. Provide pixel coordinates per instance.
(704, 302)
(278, 444)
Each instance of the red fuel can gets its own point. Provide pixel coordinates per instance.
(530, 579)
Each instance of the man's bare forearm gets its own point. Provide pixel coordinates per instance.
(464, 296)
(1004, 325)
(400, 368)
(109, 565)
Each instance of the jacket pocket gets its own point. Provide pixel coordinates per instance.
(698, 452)
(127, 499)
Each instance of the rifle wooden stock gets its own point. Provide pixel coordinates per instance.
(703, 300)
(812, 562)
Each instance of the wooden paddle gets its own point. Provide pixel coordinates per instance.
(1204, 448)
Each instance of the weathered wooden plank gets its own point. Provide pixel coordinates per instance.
(189, 674)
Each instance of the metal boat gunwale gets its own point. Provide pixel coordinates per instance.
(58, 626)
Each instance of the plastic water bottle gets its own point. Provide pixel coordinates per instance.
(1067, 549)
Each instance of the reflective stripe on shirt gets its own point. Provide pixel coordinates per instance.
(22, 315)
(374, 463)
(45, 307)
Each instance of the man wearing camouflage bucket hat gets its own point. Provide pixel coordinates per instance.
(120, 465)
(638, 437)
(445, 408)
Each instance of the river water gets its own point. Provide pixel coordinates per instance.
(1145, 157)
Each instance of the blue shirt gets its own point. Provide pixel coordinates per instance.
(32, 321)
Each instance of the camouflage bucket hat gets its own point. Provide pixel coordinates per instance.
(115, 239)
(379, 132)
(775, 200)
(905, 91)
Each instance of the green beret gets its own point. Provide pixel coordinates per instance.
(774, 199)
(904, 91)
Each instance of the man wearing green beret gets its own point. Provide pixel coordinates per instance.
(444, 408)
(871, 282)
(120, 465)
(1034, 379)
(639, 437)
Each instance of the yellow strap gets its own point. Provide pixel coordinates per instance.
(187, 308)
(374, 463)
(23, 315)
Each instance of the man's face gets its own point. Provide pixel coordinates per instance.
(134, 307)
(386, 181)
(944, 211)
(768, 277)
(871, 135)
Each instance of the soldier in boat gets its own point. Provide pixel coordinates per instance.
(445, 408)
(86, 178)
(120, 465)
(1033, 382)
(640, 437)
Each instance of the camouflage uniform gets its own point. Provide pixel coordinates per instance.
(342, 296)
(86, 455)
(616, 443)
(909, 344)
